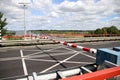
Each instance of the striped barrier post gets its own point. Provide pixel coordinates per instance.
(73, 45)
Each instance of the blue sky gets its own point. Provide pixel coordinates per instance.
(111, 17)
(36, 12)
(57, 1)
(61, 14)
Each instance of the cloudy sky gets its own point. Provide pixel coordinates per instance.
(61, 14)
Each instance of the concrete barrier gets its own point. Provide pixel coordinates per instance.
(111, 55)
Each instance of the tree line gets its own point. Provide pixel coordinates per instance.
(59, 31)
(104, 30)
(107, 30)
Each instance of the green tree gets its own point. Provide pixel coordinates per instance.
(104, 30)
(107, 30)
(113, 30)
(98, 31)
(10, 33)
(3, 23)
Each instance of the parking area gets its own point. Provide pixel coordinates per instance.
(16, 61)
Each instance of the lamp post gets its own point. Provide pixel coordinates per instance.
(24, 5)
(0, 33)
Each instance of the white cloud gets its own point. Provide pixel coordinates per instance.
(71, 6)
(66, 15)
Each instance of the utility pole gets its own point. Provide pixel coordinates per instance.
(24, 5)
(0, 33)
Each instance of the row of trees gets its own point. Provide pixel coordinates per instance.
(59, 31)
(104, 30)
(107, 30)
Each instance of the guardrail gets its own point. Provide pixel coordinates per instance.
(98, 75)
(87, 72)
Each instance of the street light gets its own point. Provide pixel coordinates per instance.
(24, 5)
(0, 33)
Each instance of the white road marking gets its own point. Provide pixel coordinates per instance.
(75, 62)
(10, 58)
(31, 50)
(78, 62)
(54, 54)
(59, 63)
(23, 63)
(88, 55)
(41, 51)
(42, 60)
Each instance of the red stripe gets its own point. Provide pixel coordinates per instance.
(65, 43)
(86, 49)
(74, 45)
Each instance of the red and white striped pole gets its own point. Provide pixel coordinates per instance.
(73, 45)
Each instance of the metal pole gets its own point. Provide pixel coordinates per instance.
(0, 33)
(24, 24)
(24, 5)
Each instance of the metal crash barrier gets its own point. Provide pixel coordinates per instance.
(105, 74)
(59, 74)
(88, 72)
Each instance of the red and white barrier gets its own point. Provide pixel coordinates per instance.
(73, 45)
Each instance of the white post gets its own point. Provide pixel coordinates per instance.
(24, 5)
(24, 23)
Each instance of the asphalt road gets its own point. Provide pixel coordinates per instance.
(24, 60)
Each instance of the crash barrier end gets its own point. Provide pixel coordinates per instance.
(111, 55)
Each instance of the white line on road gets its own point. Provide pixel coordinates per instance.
(23, 63)
(41, 51)
(79, 62)
(87, 55)
(41, 60)
(75, 62)
(53, 54)
(59, 63)
(10, 58)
